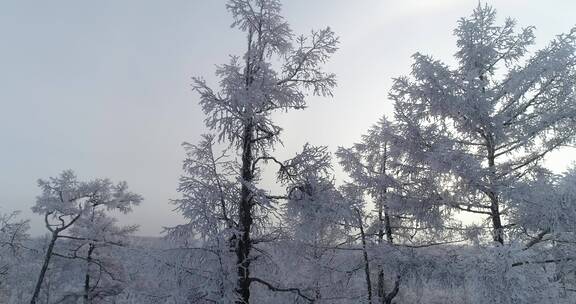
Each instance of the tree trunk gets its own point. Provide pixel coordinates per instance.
(384, 228)
(244, 244)
(380, 284)
(87, 297)
(47, 258)
(498, 229)
(392, 294)
(365, 256)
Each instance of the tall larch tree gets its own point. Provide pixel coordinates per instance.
(369, 165)
(251, 89)
(489, 121)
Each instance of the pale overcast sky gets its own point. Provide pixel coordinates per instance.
(103, 87)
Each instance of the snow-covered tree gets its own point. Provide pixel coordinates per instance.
(96, 238)
(69, 205)
(13, 234)
(489, 121)
(210, 192)
(544, 209)
(318, 220)
(468, 137)
(313, 206)
(273, 74)
(371, 168)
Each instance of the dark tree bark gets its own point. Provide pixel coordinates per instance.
(49, 252)
(387, 299)
(42, 274)
(244, 245)
(381, 221)
(498, 229)
(87, 296)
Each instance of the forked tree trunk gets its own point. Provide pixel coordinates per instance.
(384, 229)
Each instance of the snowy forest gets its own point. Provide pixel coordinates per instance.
(446, 201)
